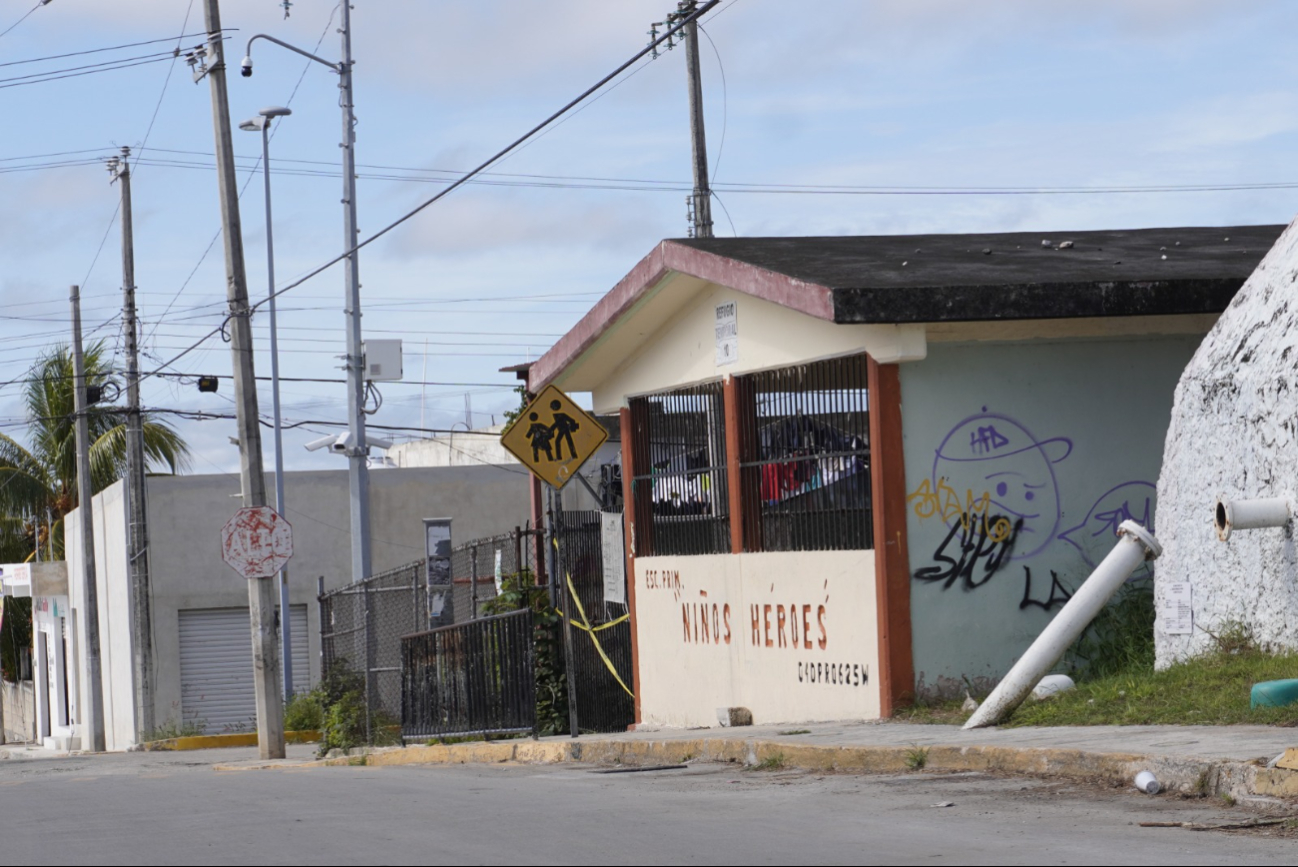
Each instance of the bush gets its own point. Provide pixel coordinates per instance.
(305, 712)
(517, 591)
(341, 699)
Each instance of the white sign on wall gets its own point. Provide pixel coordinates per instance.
(1177, 613)
(614, 549)
(727, 333)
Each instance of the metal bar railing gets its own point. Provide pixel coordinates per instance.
(470, 678)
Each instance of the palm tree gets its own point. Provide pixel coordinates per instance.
(38, 482)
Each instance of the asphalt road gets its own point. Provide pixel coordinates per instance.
(144, 808)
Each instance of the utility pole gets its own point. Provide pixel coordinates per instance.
(702, 192)
(357, 447)
(700, 201)
(137, 540)
(261, 592)
(358, 472)
(94, 712)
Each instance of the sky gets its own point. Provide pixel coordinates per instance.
(1006, 116)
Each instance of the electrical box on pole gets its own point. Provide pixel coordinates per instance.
(383, 360)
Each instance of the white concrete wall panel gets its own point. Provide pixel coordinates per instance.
(792, 636)
(1233, 432)
(683, 350)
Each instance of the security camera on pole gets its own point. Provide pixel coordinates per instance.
(357, 446)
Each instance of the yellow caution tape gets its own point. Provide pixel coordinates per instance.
(585, 625)
(601, 626)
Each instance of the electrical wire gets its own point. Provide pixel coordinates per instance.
(14, 83)
(109, 48)
(39, 4)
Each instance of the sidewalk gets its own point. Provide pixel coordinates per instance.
(1199, 760)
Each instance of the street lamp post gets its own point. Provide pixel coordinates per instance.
(357, 444)
(262, 124)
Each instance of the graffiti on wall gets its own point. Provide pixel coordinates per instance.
(993, 486)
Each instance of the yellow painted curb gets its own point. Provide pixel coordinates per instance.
(210, 742)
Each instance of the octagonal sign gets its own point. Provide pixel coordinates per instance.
(256, 542)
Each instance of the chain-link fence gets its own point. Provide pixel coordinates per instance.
(361, 624)
(361, 627)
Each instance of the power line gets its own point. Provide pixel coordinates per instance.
(109, 48)
(16, 83)
(38, 5)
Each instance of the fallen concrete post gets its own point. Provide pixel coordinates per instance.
(1135, 546)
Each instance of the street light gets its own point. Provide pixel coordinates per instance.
(261, 124)
(358, 480)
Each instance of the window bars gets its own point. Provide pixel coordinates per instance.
(680, 444)
(804, 457)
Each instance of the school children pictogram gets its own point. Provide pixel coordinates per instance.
(553, 437)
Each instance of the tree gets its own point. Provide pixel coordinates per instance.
(38, 482)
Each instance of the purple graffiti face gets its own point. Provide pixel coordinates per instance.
(1096, 535)
(996, 467)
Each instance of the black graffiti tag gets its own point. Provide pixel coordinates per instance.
(1059, 594)
(972, 543)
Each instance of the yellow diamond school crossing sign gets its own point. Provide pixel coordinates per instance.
(553, 437)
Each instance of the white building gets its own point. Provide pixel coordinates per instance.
(201, 642)
(1234, 434)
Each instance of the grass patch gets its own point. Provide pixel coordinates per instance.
(773, 762)
(917, 758)
(796, 732)
(1212, 689)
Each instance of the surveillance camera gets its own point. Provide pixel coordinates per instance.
(323, 442)
(246, 67)
(378, 442)
(342, 444)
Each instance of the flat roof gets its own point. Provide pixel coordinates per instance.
(895, 279)
(1014, 275)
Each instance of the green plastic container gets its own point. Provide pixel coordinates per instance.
(1274, 693)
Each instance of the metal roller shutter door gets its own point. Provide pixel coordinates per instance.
(216, 682)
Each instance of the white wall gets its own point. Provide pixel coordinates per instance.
(792, 636)
(1234, 432)
(683, 350)
(114, 601)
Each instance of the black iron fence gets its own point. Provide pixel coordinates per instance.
(471, 678)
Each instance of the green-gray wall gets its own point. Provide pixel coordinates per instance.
(1066, 436)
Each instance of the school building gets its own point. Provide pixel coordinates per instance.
(857, 470)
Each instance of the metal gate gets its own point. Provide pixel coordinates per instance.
(599, 636)
(217, 689)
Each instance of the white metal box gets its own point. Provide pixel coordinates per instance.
(383, 360)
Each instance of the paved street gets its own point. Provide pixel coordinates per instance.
(173, 808)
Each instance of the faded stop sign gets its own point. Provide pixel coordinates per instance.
(256, 542)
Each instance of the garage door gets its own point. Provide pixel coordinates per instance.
(216, 681)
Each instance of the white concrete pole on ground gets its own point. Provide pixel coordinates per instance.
(1135, 546)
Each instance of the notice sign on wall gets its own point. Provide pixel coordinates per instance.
(614, 549)
(1176, 612)
(727, 333)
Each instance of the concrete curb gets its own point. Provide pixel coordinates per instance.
(209, 742)
(1190, 776)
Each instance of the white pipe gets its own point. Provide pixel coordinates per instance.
(1250, 514)
(1135, 547)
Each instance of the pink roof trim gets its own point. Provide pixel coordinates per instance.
(811, 299)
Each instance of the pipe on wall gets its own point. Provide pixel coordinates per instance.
(1135, 546)
(1230, 515)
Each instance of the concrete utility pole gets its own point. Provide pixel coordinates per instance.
(261, 593)
(137, 540)
(94, 712)
(702, 191)
(358, 472)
